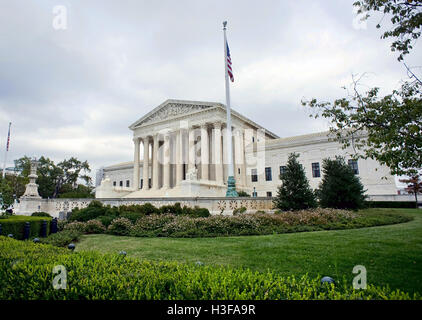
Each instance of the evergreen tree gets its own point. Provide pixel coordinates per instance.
(295, 192)
(340, 187)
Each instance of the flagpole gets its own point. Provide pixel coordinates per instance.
(7, 150)
(231, 182)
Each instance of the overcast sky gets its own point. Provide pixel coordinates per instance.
(74, 92)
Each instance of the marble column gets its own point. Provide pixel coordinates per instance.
(242, 154)
(155, 169)
(191, 149)
(218, 159)
(205, 155)
(179, 156)
(166, 162)
(145, 185)
(136, 165)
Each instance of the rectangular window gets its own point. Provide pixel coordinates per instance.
(254, 175)
(142, 184)
(127, 183)
(268, 174)
(238, 170)
(315, 170)
(121, 183)
(269, 194)
(353, 164)
(114, 183)
(282, 170)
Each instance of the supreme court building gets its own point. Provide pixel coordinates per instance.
(180, 150)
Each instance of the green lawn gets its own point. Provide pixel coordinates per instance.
(391, 254)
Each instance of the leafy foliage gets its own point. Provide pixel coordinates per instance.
(41, 214)
(295, 192)
(15, 225)
(340, 187)
(62, 238)
(12, 187)
(257, 224)
(243, 194)
(26, 273)
(132, 212)
(414, 186)
(387, 129)
(54, 180)
(406, 19)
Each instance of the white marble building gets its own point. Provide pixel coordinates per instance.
(183, 149)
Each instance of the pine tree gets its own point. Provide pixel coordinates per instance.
(295, 192)
(340, 187)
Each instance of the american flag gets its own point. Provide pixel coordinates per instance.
(8, 139)
(229, 64)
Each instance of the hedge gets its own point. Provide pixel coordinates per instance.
(390, 204)
(96, 210)
(15, 225)
(26, 273)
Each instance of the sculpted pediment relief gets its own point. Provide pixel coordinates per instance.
(172, 110)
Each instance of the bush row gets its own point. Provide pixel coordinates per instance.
(15, 225)
(170, 225)
(26, 273)
(106, 214)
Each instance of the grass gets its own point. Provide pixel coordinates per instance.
(391, 254)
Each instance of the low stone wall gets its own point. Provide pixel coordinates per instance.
(60, 207)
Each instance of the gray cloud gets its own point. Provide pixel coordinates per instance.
(74, 92)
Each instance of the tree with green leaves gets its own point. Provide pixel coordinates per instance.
(384, 128)
(405, 17)
(54, 180)
(340, 188)
(414, 186)
(295, 192)
(12, 186)
(387, 129)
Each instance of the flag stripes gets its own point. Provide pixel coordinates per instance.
(229, 64)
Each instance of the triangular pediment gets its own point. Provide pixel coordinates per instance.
(172, 109)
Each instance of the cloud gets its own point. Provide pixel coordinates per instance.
(74, 92)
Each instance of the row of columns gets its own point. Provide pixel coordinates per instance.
(219, 155)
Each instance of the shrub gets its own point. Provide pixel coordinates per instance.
(15, 225)
(94, 210)
(107, 277)
(243, 194)
(132, 216)
(295, 192)
(62, 238)
(175, 209)
(41, 214)
(151, 225)
(106, 220)
(144, 209)
(94, 226)
(239, 210)
(340, 188)
(61, 224)
(258, 224)
(76, 225)
(120, 226)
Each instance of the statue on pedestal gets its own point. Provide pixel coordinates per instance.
(31, 190)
